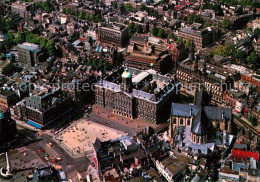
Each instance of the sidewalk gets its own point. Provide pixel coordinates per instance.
(132, 123)
(25, 125)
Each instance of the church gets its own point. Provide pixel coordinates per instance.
(199, 124)
(135, 93)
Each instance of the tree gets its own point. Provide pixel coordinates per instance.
(80, 60)
(115, 5)
(8, 69)
(171, 35)
(257, 33)
(253, 120)
(254, 60)
(67, 11)
(50, 46)
(239, 11)
(155, 31)
(180, 40)
(76, 13)
(46, 6)
(142, 7)
(160, 33)
(226, 23)
(82, 15)
(122, 7)
(9, 41)
(195, 18)
(188, 43)
(19, 38)
(240, 55)
(129, 7)
(139, 29)
(131, 27)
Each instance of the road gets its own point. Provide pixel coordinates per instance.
(69, 165)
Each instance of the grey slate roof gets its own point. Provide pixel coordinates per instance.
(201, 114)
(45, 101)
(215, 113)
(184, 109)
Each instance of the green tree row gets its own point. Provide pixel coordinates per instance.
(96, 63)
(252, 59)
(158, 32)
(6, 25)
(82, 15)
(44, 5)
(253, 4)
(193, 18)
(215, 7)
(132, 28)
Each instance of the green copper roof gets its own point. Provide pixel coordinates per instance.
(126, 74)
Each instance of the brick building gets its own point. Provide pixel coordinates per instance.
(114, 34)
(22, 8)
(7, 99)
(201, 38)
(149, 56)
(200, 72)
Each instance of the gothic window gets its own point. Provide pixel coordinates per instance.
(174, 120)
(181, 122)
(188, 122)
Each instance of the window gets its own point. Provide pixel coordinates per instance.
(181, 122)
(174, 121)
(188, 122)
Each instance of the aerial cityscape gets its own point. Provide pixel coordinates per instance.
(129, 91)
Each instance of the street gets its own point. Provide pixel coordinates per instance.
(69, 165)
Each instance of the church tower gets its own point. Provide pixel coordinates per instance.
(127, 81)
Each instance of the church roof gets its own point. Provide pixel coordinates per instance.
(183, 109)
(200, 113)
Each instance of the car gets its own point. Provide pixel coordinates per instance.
(46, 155)
(39, 147)
(58, 159)
(25, 154)
(50, 144)
(46, 158)
(42, 150)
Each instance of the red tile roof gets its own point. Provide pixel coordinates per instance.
(239, 155)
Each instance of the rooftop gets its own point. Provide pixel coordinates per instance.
(29, 46)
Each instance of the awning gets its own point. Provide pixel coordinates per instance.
(34, 124)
